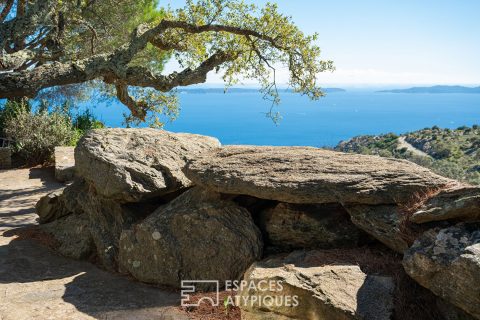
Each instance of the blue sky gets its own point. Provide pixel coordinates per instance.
(388, 42)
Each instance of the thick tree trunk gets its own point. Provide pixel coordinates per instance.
(6, 10)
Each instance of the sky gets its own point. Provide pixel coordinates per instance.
(388, 42)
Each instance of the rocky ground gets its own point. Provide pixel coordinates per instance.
(36, 283)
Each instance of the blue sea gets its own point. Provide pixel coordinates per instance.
(239, 118)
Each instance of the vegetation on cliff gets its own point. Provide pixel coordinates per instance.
(451, 153)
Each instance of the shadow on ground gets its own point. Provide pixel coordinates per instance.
(32, 276)
(37, 283)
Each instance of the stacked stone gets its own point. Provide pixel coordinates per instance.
(167, 207)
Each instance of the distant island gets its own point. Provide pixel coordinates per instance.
(244, 90)
(436, 89)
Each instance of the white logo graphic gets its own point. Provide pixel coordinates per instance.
(188, 287)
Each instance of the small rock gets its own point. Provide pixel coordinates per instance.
(51, 207)
(73, 235)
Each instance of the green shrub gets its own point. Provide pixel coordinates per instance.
(83, 122)
(37, 134)
(87, 121)
(10, 110)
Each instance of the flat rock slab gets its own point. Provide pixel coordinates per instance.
(462, 203)
(133, 164)
(323, 291)
(64, 163)
(311, 175)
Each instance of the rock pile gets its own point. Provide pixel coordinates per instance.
(167, 207)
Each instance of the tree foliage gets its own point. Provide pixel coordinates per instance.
(124, 46)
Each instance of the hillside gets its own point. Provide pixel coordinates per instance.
(452, 153)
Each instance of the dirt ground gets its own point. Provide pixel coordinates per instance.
(36, 283)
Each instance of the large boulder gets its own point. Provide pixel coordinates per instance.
(447, 261)
(72, 233)
(298, 226)
(383, 222)
(129, 165)
(310, 175)
(462, 203)
(294, 288)
(102, 218)
(197, 236)
(107, 219)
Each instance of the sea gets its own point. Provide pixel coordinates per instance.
(241, 117)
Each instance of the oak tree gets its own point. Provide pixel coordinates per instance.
(122, 46)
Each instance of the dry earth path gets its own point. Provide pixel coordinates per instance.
(402, 143)
(36, 283)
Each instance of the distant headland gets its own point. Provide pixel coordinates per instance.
(436, 89)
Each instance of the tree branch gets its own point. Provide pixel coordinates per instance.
(142, 77)
(15, 60)
(38, 14)
(138, 109)
(113, 68)
(29, 82)
(192, 28)
(6, 10)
